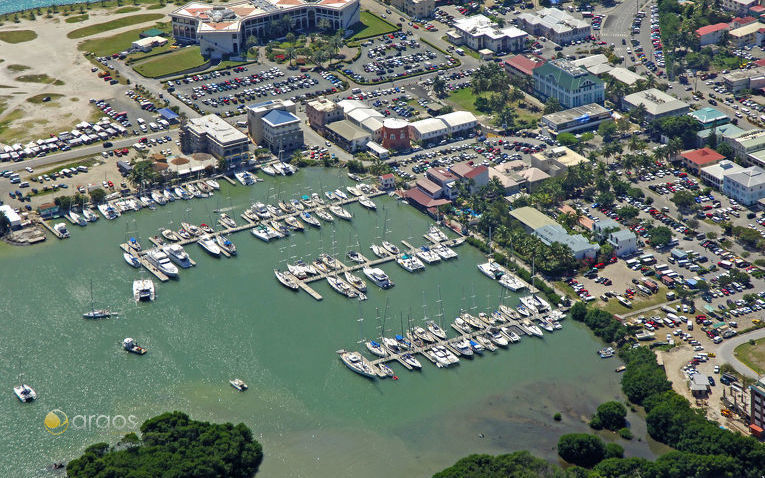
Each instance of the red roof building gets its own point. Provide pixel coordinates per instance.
(523, 65)
(420, 200)
(477, 175)
(711, 34)
(700, 158)
(739, 22)
(760, 62)
(387, 181)
(757, 10)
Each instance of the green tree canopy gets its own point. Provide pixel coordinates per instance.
(684, 199)
(660, 236)
(612, 415)
(581, 449)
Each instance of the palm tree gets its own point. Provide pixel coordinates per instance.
(290, 53)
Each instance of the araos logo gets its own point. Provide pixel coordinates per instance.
(56, 422)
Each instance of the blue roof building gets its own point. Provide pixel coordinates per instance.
(710, 117)
(281, 131)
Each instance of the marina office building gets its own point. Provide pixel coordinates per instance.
(212, 135)
(224, 30)
(571, 85)
(574, 120)
(281, 132)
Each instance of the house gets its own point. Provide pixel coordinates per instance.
(711, 34)
(509, 184)
(348, 136)
(522, 65)
(739, 22)
(571, 85)
(430, 188)
(477, 176)
(48, 210)
(750, 141)
(531, 219)
(710, 117)
(14, 220)
(603, 228)
(533, 178)
(746, 186)
(281, 132)
(416, 8)
(445, 179)
(657, 104)
(387, 181)
(148, 43)
(479, 32)
(696, 159)
(725, 131)
(211, 134)
(699, 385)
(555, 25)
(574, 120)
(556, 161)
(321, 112)
(580, 247)
(714, 175)
(739, 7)
(624, 242)
(624, 75)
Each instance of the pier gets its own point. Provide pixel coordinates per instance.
(52, 231)
(144, 262)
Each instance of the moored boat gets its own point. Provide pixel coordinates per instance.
(356, 362)
(225, 244)
(355, 281)
(367, 203)
(143, 290)
(286, 280)
(132, 347)
(178, 255)
(309, 219)
(390, 247)
(378, 276)
(131, 260)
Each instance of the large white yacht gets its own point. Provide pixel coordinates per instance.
(160, 260)
(143, 290)
(208, 244)
(378, 276)
(178, 254)
(356, 362)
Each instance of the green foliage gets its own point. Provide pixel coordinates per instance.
(684, 199)
(612, 415)
(602, 323)
(628, 212)
(683, 127)
(355, 166)
(552, 105)
(643, 376)
(557, 417)
(174, 445)
(614, 450)
(581, 449)
(567, 139)
(626, 433)
(518, 464)
(97, 195)
(607, 130)
(660, 236)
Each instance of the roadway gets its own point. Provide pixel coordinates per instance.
(725, 352)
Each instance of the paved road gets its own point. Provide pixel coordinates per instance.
(725, 352)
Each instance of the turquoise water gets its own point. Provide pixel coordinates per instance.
(229, 318)
(8, 6)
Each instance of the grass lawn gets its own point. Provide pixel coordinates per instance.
(17, 36)
(127, 10)
(464, 99)
(753, 356)
(41, 78)
(155, 51)
(371, 26)
(77, 18)
(18, 68)
(156, 6)
(638, 303)
(175, 62)
(115, 43)
(38, 99)
(111, 25)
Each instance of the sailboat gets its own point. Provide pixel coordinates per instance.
(95, 313)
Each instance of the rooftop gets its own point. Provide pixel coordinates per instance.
(556, 233)
(625, 76)
(746, 30)
(458, 118)
(708, 115)
(566, 75)
(702, 157)
(554, 19)
(418, 196)
(656, 102)
(622, 235)
(706, 30)
(581, 113)
(531, 218)
(428, 186)
(591, 60)
(478, 25)
(347, 130)
(280, 118)
(750, 177)
(217, 129)
(323, 104)
(429, 125)
(721, 169)
(525, 63)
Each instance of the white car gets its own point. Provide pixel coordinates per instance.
(29, 169)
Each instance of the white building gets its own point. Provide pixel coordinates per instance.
(571, 85)
(624, 242)
(714, 175)
(281, 132)
(740, 7)
(224, 30)
(210, 134)
(428, 129)
(13, 218)
(146, 44)
(746, 186)
(479, 32)
(459, 121)
(657, 104)
(555, 25)
(256, 112)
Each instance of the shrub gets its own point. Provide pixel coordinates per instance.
(614, 450)
(557, 417)
(611, 415)
(581, 449)
(626, 433)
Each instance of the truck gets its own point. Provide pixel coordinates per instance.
(651, 285)
(724, 264)
(668, 281)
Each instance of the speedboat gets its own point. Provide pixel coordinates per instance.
(183, 234)
(177, 254)
(160, 260)
(378, 276)
(607, 352)
(143, 290)
(169, 235)
(208, 244)
(356, 257)
(89, 215)
(322, 214)
(268, 170)
(436, 234)
(206, 229)
(376, 348)
(285, 280)
(497, 337)
(225, 244)
(367, 203)
(309, 219)
(379, 251)
(427, 255)
(132, 347)
(61, 229)
(131, 260)
(134, 244)
(191, 229)
(76, 219)
(356, 362)
(355, 281)
(294, 223)
(226, 221)
(340, 212)
(510, 334)
(25, 393)
(437, 331)
(213, 184)
(409, 263)
(238, 384)
(390, 247)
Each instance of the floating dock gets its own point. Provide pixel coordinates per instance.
(52, 231)
(144, 262)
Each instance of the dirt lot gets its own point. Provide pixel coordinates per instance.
(67, 73)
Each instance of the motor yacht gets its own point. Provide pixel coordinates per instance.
(510, 334)
(356, 362)
(353, 190)
(261, 211)
(160, 260)
(178, 255)
(131, 260)
(510, 282)
(391, 248)
(476, 346)
(378, 276)
(191, 229)
(497, 337)
(461, 326)
(213, 184)
(76, 219)
(410, 360)
(143, 290)
(463, 347)
(108, 211)
(61, 229)
(238, 384)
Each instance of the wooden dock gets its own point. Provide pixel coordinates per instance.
(144, 262)
(52, 231)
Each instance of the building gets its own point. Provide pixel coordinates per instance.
(699, 385)
(532, 178)
(603, 228)
(388, 181)
(522, 65)
(256, 112)
(14, 220)
(746, 143)
(746, 186)
(571, 85)
(696, 159)
(476, 176)
(348, 136)
(590, 61)
(624, 242)
(657, 104)
(739, 7)
(479, 32)
(739, 22)
(574, 120)
(710, 117)
(210, 134)
(624, 75)
(148, 43)
(321, 112)
(395, 134)
(555, 25)
(579, 245)
(224, 30)
(748, 35)
(711, 34)
(509, 184)
(738, 80)
(459, 122)
(281, 132)
(378, 150)
(714, 175)
(416, 8)
(531, 218)
(721, 132)
(555, 161)
(445, 179)
(428, 130)
(757, 406)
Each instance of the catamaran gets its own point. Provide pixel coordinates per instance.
(143, 290)
(409, 263)
(444, 252)
(435, 234)
(427, 255)
(492, 270)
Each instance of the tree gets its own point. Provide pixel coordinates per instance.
(552, 105)
(628, 212)
(612, 415)
(726, 150)
(567, 139)
(63, 202)
(684, 199)
(581, 449)
(5, 225)
(660, 236)
(142, 173)
(97, 195)
(607, 130)
(439, 86)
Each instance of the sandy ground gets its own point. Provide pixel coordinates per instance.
(55, 55)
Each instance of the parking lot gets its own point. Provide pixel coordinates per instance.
(228, 92)
(394, 56)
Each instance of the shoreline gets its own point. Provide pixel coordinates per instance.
(87, 6)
